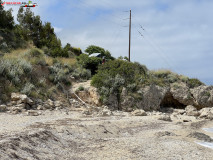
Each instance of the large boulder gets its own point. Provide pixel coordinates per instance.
(191, 111)
(152, 97)
(181, 93)
(203, 96)
(17, 97)
(206, 113)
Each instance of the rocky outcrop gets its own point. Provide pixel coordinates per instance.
(192, 111)
(206, 113)
(203, 96)
(151, 97)
(181, 93)
(21, 103)
(178, 96)
(88, 93)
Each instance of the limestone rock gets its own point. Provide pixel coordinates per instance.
(17, 97)
(203, 95)
(164, 118)
(180, 111)
(204, 113)
(15, 110)
(40, 107)
(21, 106)
(127, 103)
(57, 104)
(32, 113)
(152, 97)
(86, 112)
(88, 95)
(30, 101)
(181, 92)
(139, 112)
(105, 112)
(191, 111)
(3, 108)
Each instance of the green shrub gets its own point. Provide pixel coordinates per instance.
(27, 88)
(81, 73)
(90, 63)
(35, 52)
(81, 88)
(60, 73)
(13, 69)
(130, 72)
(194, 82)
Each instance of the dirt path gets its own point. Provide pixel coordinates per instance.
(68, 135)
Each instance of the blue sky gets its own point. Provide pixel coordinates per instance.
(177, 36)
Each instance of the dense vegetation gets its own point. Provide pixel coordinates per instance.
(115, 75)
(34, 62)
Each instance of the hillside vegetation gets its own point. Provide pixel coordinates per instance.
(34, 62)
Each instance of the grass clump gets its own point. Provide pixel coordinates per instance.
(194, 82)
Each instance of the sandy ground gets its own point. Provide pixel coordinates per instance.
(62, 135)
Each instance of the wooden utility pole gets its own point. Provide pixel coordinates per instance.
(130, 25)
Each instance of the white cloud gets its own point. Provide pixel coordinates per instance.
(57, 30)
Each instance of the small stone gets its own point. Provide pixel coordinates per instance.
(30, 101)
(32, 113)
(3, 108)
(15, 110)
(21, 106)
(165, 118)
(139, 112)
(106, 112)
(87, 112)
(40, 107)
(57, 103)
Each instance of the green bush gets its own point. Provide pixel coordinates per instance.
(35, 52)
(90, 63)
(27, 88)
(60, 73)
(81, 88)
(81, 73)
(13, 69)
(114, 75)
(194, 82)
(127, 70)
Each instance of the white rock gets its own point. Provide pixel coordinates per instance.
(191, 111)
(165, 118)
(21, 106)
(139, 112)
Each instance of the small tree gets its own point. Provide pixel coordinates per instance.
(96, 49)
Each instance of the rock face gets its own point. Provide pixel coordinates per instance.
(89, 93)
(152, 97)
(203, 96)
(178, 96)
(206, 113)
(181, 92)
